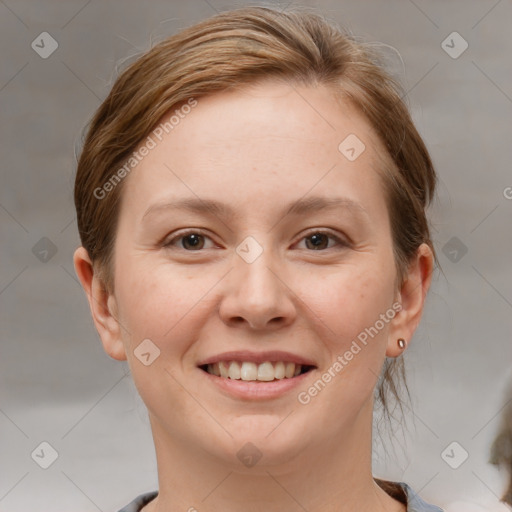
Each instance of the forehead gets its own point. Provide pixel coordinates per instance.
(272, 111)
(271, 139)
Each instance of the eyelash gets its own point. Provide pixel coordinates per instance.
(169, 244)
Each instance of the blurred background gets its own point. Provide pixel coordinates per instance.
(74, 434)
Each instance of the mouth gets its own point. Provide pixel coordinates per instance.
(257, 376)
(248, 371)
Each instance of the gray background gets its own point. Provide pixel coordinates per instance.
(57, 385)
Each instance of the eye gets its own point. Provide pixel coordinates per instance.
(319, 238)
(192, 240)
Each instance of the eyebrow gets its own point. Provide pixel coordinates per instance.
(300, 207)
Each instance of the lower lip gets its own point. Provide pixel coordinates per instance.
(256, 390)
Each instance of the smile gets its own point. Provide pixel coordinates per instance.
(250, 371)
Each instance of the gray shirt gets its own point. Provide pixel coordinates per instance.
(402, 493)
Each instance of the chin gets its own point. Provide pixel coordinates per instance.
(259, 449)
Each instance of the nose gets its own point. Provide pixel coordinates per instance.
(257, 296)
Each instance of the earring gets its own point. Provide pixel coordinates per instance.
(401, 342)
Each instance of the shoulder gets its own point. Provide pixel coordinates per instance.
(139, 502)
(406, 495)
(415, 503)
(399, 490)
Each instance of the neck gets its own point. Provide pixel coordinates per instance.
(332, 475)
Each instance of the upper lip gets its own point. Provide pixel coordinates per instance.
(258, 357)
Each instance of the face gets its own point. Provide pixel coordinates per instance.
(294, 255)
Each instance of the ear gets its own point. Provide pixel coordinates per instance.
(412, 298)
(103, 305)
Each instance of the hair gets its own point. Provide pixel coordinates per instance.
(501, 449)
(243, 47)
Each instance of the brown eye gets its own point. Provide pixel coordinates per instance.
(189, 241)
(319, 240)
(193, 241)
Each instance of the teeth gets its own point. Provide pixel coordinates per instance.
(249, 371)
(289, 370)
(279, 371)
(223, 369)
(234, 370)
(265, 372)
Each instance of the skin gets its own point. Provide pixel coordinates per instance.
(257, 150)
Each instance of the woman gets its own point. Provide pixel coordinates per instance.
(251, 203)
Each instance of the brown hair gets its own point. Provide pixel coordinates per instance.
(240, 47)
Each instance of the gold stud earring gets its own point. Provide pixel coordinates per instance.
(401, 342)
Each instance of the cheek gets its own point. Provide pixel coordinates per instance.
(161, 303)
(164, 307)
(348, 304)
(348, 301)
(167, 304)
